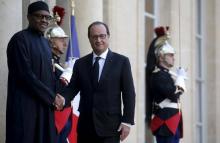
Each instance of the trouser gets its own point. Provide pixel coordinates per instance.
(97, 139)
(92, 137)
(169, 139)
(62, 137)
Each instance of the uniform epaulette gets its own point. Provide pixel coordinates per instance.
(156, 69)
(166, 70)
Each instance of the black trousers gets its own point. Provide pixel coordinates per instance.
(169, 139)
(92, 137)
(97, 139)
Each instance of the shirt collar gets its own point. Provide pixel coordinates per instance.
(103, 55)
(35, 31)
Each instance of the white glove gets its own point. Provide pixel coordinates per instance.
(181, 72)
(181, 77)
(70, 63)
(68, 71)
(66, 75)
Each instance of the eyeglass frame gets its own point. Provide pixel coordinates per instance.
(42, 16)
(101, 36)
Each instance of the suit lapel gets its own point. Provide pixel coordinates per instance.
(89, 66)
(107, 66)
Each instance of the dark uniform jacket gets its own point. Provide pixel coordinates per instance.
(100, 107)
(59, 85)
(162, 87)
(61, 117)
(30, 111)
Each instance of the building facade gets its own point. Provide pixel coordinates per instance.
(194, 34)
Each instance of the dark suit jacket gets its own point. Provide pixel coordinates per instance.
(101, 108)
(31, 89)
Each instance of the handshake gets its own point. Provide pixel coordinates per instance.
(59, 102)
(65, 78)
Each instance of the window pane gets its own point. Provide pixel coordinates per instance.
(199, 16)
(199, 134)
(199, 102)
(149, 6)
(199, 72)
(199, 57)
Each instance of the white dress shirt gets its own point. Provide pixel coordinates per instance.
(101, 61)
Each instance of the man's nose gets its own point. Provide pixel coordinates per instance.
(99, 39)
(44, 19)
(65, 44)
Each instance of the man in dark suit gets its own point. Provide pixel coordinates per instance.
(31, 88)
(104, 83)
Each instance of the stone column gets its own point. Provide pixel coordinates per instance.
(11, 22)
(86, 12)
(182, 39)
(126, 37)
(217, 66)
(210, 63)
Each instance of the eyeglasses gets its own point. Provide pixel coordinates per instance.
(41, 16)
(101, 36)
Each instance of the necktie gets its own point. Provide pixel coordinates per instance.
(95, 76)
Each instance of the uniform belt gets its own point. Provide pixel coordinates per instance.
(59, 67)
(166, 103)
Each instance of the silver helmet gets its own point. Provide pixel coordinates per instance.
(55, 32)
(164, 48)
(162, 45)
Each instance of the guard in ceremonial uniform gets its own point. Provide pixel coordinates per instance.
(58, 42)
(164, 89)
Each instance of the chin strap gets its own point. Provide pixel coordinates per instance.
(56, 51)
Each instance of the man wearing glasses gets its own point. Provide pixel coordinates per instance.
(105, 81)
(30, 100)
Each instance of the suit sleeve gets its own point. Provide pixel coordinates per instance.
(19, 64)
(73, 88)
(128, 93)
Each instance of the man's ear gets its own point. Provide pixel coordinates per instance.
(29, 17)
(160, 58)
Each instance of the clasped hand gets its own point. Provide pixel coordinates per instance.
(59, 102)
